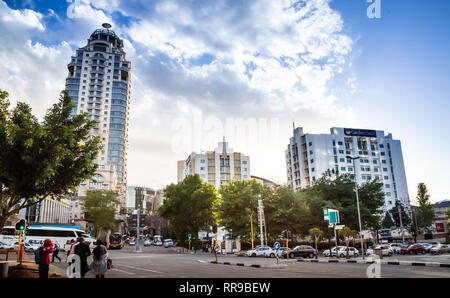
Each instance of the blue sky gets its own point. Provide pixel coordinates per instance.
(198, 64)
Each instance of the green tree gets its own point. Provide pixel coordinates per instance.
(406, 220)
(347, 234)
(238, 202)
(188, 205)
(284, 209)
(100, 207)
(42, 160)
(424, 212)
(316, 234)
(337, 191)
(387, 222)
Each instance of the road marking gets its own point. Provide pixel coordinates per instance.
(115, 269)
(143, 269)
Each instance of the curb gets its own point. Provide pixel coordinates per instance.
(407, 263)
(243, 264)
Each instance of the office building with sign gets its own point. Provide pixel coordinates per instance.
(309, 156)
(216, 167)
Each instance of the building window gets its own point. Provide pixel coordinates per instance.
(386, 177)
(312, 160)
(202, 168)
(342, 168)
(310, 144)
(383, 161)
(210, 161)
(312, 169)
(202, 161)
(341, 151)
(244, 162)
(340, 143)
(342, 160)
(384, 169)
(383, 154)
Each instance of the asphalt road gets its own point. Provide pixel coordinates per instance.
(159, 262)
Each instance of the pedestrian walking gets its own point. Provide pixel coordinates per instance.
(99, 265)
(44, 258)
(83, 251)
(55, 253)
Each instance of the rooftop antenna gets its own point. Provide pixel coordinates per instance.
(293, 126)
(224, 147)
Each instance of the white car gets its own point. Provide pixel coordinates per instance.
(326, 253)
(147, 242)
(168, 243)
(439, 249)
(132, 242)
(28, 246)
(258, 252)
(352, 252)
(396, 247)
(386, 250)
(271, 253)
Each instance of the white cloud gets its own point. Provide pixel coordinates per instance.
(247, 59)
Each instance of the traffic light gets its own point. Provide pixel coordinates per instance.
(189, 236)
(21, 225)
(214, 228)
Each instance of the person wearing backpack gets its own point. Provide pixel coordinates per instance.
(44, 258)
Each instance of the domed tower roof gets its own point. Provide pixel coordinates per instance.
(107, 35)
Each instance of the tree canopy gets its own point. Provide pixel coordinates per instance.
(188, 205)
(100, 207)
(42, 160)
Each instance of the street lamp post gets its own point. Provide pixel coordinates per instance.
(357, 203)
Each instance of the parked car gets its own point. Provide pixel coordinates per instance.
(304, 251)
(386, 250)
(35, 244)
(414, 249)
(147, 242)
(27, 246)
(258, 251)
(132, 242)
(168, 243)
(427, 246)
(440, 249)
(3, 245)
(326, 253)
(352, 252)
(396, 247)
(270, 253)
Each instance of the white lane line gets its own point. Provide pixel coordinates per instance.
(138, 268)
(123, 271)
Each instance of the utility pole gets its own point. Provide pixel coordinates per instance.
(140, 196)
(251, 227)
(357, 203)
(261, 225)
(401, 221)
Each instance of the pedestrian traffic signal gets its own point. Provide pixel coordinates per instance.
(214, 228)
(189, 236)
(20, 225)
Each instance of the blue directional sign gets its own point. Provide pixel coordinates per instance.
(276, 245)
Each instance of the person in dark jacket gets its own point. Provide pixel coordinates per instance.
(83, 251)
(55, 253)
(44, 256)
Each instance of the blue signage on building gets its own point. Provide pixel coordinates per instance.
(360, 132)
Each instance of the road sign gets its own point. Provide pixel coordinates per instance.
(276, 245)
(334, 216)
(339, 227)
(325, 213)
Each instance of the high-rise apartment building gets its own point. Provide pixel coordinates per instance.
(99, 84)
(217, 167)
(309, 156)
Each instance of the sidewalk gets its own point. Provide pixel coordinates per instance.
(29, 269)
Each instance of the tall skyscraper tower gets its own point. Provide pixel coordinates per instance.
(99, 84)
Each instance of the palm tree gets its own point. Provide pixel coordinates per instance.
(317, 234)
(347, 233)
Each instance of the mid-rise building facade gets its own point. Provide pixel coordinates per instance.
(99, 84)
(309, 156)
(218, 167)
(48, 211)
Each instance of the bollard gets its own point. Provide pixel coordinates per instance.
(4, 269)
